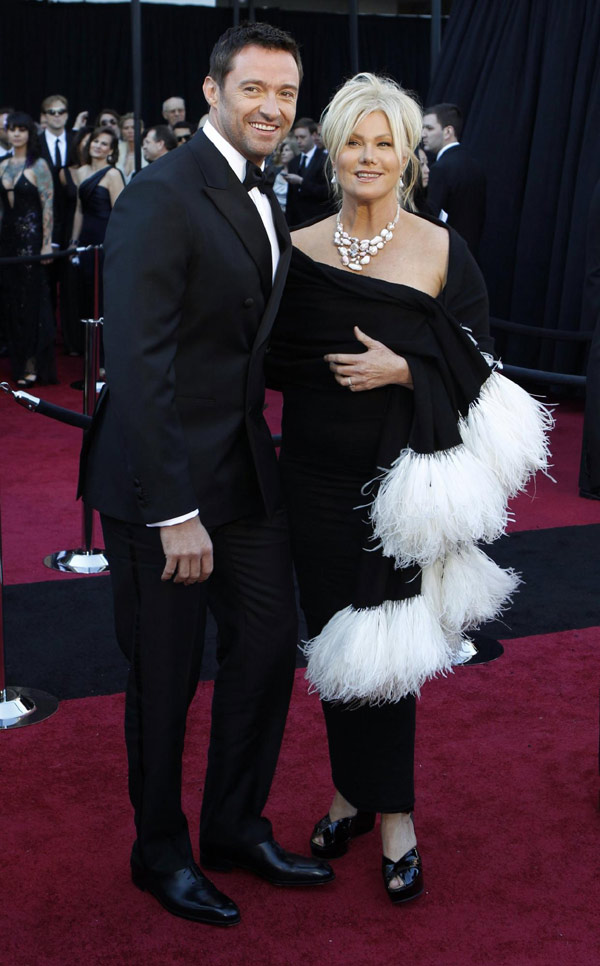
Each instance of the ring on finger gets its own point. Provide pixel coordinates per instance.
(349, 383)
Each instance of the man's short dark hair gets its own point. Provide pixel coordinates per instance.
(448, 115)
(246, 34)
(307, 122)
(162, 132)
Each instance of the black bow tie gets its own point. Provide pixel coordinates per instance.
(255, 178)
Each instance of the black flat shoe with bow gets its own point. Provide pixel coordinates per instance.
(409, 870)
(337, 835)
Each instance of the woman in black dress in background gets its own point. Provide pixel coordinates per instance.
(376, 368)
(26, 193)
(99, 185)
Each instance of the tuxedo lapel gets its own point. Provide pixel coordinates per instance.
(235, 205)
(230, 197)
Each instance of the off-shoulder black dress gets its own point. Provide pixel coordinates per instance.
(332, 441)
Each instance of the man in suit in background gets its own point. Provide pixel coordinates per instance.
(457, 188)
(55, 141)
(308, 189)
(180, 462)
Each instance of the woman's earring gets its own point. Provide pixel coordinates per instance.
(333, 177)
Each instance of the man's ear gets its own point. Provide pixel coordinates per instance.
(210, 89)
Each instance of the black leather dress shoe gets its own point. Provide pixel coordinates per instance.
(269, 860)
(189, 894)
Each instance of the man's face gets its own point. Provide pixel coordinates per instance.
(182, 134)
(174, 110)
(151, 148)
(433, 134)
(305, 139)
(255, 108)
(56, 117)
(110, 121)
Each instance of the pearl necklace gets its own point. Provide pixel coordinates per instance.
(356, 252)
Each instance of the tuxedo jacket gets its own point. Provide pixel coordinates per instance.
(313, 197)
(188, 308)
(60, 228)
(457, 185)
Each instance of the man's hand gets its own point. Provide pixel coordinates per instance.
(293, 178)
(188, 551)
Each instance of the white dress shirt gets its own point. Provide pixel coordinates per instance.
(308, 156)
(453, 144)
(237, 162)
(51, 140)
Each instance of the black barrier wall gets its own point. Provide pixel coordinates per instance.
(527, 73)
(83, 50)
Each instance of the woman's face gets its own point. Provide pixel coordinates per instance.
(286, 154)
(101, 147)
(424, 167)
(18, 136)
(128, 129)
(368, 167)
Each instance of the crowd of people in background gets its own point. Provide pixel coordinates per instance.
(60, 178)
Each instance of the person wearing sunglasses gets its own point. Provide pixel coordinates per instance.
(182, 131)
(55, 142)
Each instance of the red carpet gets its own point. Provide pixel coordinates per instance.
(507, 784)
(506, 815)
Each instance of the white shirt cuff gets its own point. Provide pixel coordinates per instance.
(175, 520)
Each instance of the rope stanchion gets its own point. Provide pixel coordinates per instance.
(19, 706)
(31, 259)
(85, 559)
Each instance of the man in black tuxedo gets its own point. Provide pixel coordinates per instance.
(180, 462)
(457, 187)
(308, 193)
(55, 142)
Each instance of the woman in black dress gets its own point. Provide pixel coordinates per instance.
(26, 193)
(384, 451)
(99, 185)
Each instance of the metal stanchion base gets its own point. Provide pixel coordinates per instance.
(24, 706)
(481, 650)
(77, 561)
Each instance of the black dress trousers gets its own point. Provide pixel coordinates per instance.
(160, 628)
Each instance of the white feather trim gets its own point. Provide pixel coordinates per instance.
(378, 654)
(508, 430)
(427, 505)
(466, 588)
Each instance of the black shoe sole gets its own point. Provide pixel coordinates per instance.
(226, 865)
(398, 896)
(181, 913)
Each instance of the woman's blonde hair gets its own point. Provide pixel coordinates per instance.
(354, 101)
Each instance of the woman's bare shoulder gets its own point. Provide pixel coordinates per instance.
(428, 231)
(314, 236)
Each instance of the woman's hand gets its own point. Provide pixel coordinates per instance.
(376, 367)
